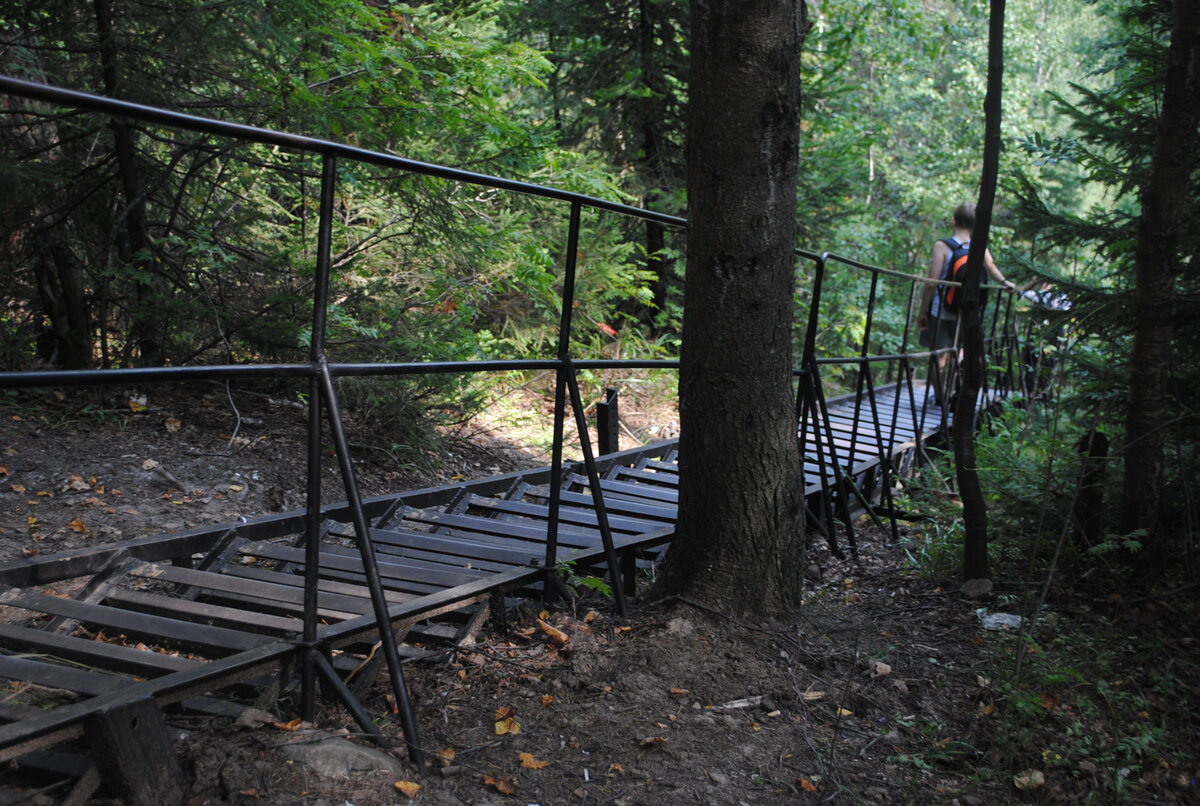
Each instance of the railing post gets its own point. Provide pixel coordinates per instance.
(608, 423)
(312, 526)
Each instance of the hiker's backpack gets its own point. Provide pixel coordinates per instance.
(956, 270)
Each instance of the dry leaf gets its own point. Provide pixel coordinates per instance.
(807, 785)
(76, 482)
(4, 471)
(294, 724)
(557, 636)
(137, 404)
(173, 424)
(531, 763)
(18, 488)
(504, 785)
(844, 712)
(149, 464)
(590, 616)
(812, 696)
(615, 768)
(879, 668)
(1029, 780)
(409, 788)
(651, 741)
(547, 699)
(679, 692)
(78, 525)
(445, 755)
(507, 726)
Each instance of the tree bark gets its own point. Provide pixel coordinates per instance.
(1167, 211)
(149, 320)
(975, 540)
(740, 536)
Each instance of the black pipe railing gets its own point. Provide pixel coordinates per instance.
(323, 398)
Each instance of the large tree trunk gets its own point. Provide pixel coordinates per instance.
(1166, 212)
(740, 541)
(975, 558)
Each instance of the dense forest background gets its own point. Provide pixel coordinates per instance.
(127, 245)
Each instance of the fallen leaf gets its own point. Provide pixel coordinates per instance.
(294, 724)
(557, 636)
(4, 471)
(76, 482)
(507, 726)
(409, 788)
(531, 763)
(812, 696)
(547, 699)
(445, 755)
(18, 488)
(844, 712)
(615, 768)
(590, 616)
(253, 718)
(651, 741)
(173, 424)
(149, 464)
(806, 785)
(879, 668)
(78, 525)
(679, 692)
(1029, 780)
(137, 404)
(504, 785)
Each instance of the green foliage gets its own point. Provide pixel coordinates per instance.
(1088, 702)
(566, 570)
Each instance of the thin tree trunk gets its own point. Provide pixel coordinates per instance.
(740, 536)
(149, 323)
(1166, 213)
(975, 558)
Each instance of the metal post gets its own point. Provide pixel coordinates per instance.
(312, 526)
(589, 463)
(608, 422)
(366, 550)
(560, 394)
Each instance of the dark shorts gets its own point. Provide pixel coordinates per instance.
(940, 334)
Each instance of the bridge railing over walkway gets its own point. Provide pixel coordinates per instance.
(892, 429)
(837, 451)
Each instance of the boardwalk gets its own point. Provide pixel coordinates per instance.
(333, 591)
(232, 597)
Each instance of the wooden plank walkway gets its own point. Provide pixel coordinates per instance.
(180, 615)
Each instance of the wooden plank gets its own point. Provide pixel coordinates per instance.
(114, 570)
(53, 675)
(350, 566)
(648, 476)
(250, 620)
(496, 550)
(323, 585)
(142, 625)
(665, 513)
(436, 551)
(268, 592)
(492, 526)
(110, 657)
(571, 515)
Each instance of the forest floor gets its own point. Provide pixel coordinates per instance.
(886, 687)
